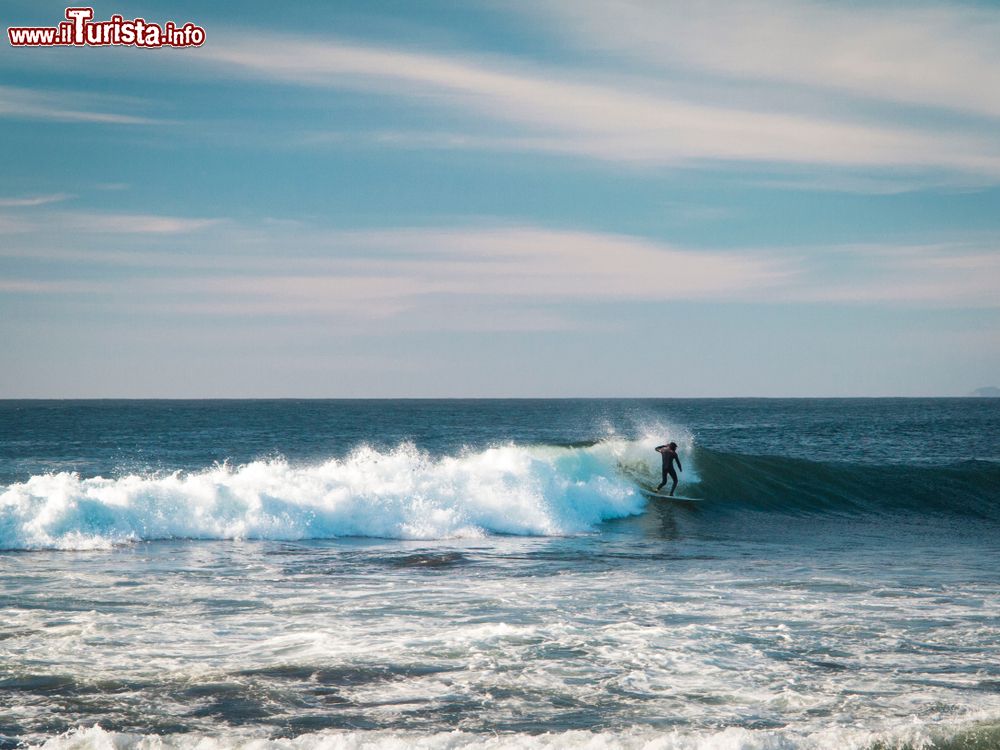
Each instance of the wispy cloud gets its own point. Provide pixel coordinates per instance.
(889, 182)
(432, 276)
(435, 278)
(441, 140)
(631, 119)
(38, 200)
(560, 264)
(133, 223)
(64, 106)
(941, 55)
(53, 286)
(55, 224)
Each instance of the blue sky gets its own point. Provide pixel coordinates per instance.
(548, 198)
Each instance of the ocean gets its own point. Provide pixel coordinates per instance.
(460, 573)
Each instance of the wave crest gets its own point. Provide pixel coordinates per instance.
(399, 494)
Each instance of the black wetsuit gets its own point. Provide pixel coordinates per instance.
(669, 456)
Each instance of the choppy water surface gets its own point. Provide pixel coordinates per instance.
(452, 574)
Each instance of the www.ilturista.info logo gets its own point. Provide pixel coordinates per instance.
(80, 30)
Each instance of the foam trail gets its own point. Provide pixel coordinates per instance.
(401, 494)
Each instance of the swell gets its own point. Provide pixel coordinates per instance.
(776, 483)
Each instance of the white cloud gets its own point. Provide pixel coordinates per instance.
(441, 140)
(406, 275)
(940, 55)
(292, 261)
(890, 182)
(66, 106)
(134, 223)
(560, 264)
(485, 275)
(38, 200)
(631, 120)
(57, 223)
(53, 286)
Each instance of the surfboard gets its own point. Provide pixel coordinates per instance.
(651, 492)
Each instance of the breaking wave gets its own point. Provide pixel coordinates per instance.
(400, 494)
(406, 493)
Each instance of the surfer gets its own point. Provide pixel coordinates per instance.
(669, 454)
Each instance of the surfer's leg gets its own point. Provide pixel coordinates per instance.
(673, 475)
(666, 474)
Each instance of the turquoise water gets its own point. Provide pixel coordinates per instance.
(486, 573)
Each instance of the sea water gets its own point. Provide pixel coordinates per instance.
(450, 574)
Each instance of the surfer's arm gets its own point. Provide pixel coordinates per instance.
(659, 448)
(678, 459)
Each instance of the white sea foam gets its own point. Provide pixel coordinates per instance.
(642, 635)
(733, 738)
(400, 494)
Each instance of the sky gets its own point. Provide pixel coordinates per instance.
(544, 198)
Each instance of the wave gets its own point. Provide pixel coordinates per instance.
(777, 483)
(406, 493)
(400, 494)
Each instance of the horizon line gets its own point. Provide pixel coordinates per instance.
(481, 398)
